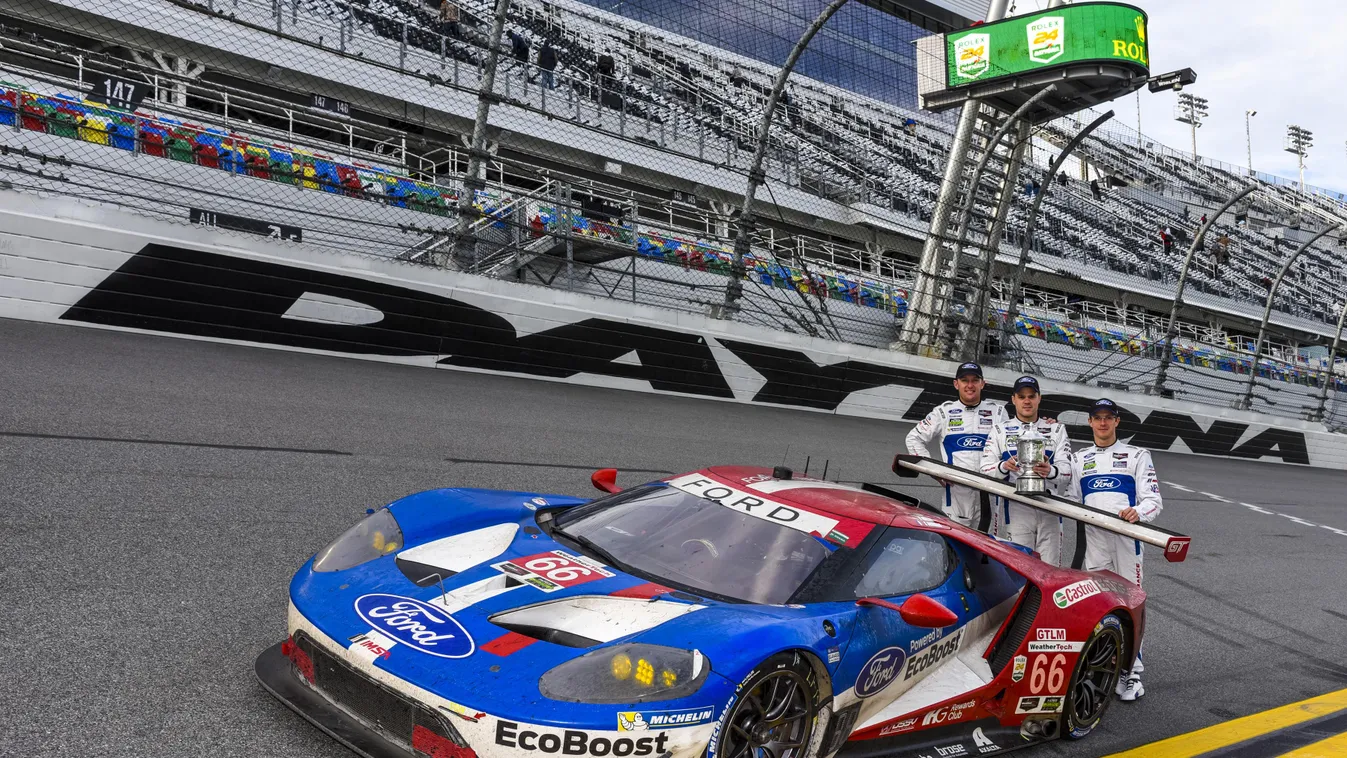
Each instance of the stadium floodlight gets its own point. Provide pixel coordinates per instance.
(1175, 80)
(1299, 141)
(1190, 110)
(1248, 143)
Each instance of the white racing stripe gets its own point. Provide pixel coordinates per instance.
(755, 505)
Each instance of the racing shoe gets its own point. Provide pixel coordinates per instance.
(1129, 688)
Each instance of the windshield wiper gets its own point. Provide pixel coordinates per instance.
(592, 547)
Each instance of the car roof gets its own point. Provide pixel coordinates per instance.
(844, 500)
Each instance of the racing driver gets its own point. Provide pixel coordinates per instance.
(1020, 524)
(962, 427)
(1117, 478)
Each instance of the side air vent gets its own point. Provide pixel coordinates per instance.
(1020, 624)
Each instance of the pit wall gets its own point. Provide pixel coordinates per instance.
(68, 262)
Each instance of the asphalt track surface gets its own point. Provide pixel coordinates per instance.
(158, 494)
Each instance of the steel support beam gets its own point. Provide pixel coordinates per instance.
(756, 176)
(1165, 354)
(1247, 401)
(1319, 412)
(923, 321)
(1017, 280)
(465, 245)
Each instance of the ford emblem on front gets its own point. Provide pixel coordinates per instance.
(1105, 483)
(416, 624)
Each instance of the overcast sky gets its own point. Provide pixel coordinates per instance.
(1282, 58)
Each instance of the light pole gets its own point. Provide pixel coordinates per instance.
(1191, 110)
(1248, 143)
(1299, 141)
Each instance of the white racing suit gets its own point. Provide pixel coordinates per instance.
(1020, 523)
(1113, 479)
(961, 431)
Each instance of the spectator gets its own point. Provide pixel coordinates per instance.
(1204, 219)
(1061, 178)
(519, 48)
(607, 68)
(1166, 240)
(792, 112)
(547, 63)
(1094, 190)
(910, 126)
(449, 18)
(1037, 187)
(1028, 188)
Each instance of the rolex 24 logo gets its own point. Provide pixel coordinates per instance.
(1047, 39)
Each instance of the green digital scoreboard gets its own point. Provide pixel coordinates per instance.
(1067, 34)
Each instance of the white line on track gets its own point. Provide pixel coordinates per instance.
(1178, 487)
(1215, 497)
(1261, 509)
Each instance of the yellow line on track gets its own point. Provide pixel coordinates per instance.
(1333, 747)
(1231, 732)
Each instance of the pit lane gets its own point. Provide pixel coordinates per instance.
(158, 493)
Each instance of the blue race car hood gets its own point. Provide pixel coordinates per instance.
(509, 604)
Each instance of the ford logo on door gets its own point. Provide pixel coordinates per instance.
(416, 624)
(1105, 483)
(972, 442)
(880, 671)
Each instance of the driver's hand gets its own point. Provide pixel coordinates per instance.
(1130, 515)
(1043, 469)
(1012, 464)
(941, 482)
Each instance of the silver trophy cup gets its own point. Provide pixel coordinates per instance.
(1031, 448)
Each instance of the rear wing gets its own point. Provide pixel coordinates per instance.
(1174, 544)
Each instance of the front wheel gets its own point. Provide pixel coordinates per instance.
(773, 714)
(1096, 675)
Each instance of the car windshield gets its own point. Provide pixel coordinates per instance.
(697, 543)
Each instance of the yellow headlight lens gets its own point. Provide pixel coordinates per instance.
(622, 666)
(382, 544)
(645, 673)
(669, 678)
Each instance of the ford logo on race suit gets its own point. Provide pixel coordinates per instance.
(1105, 483)
(972, 442)
(416, 624)
(880, 671)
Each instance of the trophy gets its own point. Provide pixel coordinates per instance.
(1031, 448)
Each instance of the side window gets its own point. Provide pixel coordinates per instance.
(904, 561)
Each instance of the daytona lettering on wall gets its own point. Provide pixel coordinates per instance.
(175, 290)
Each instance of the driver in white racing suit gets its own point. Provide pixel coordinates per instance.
(1118, 478)
(1019, 523)
(962, 427)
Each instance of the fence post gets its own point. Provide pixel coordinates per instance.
(1332, 376)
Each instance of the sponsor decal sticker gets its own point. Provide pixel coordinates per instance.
(933, 655)
(1051, 704)
(838, 537)
(984, 412)
(755, 506)
(1056, 647)
(1074, 593)
(972, 442)
(898, 727)
(509, 734)
(951, 751)
(1105, 483)
(417, 624)
(554, 570)
(1089, 466)
(834, 655)
(955, 422)
(983, 743)
(1120, 456)
(1047, 39)
(371, 645)
(1051, 635)
(642, 721)
(1021, 663)
(922, 642)
(947, 714)
(880, 671)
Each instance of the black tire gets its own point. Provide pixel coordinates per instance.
(1096, 675)
(773, 714)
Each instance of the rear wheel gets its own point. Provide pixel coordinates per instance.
(774, 712)
(1096, 675)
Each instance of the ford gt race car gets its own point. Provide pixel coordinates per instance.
(734, 612)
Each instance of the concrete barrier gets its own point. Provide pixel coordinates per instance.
(63, 261)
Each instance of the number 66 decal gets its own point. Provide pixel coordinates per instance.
(1047, 674)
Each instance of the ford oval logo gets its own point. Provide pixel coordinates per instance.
(971, 442)
(416, 624)
(880, 671)
(1105, 483)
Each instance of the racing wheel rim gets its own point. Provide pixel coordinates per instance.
(773, 719)
(1096, 676)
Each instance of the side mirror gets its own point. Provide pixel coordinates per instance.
(605, 480)
(918, 610)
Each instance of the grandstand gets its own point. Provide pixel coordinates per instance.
(623, 182)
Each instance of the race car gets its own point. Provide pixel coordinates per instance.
(733, 612)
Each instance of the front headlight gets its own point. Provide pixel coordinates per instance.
(631, 673)
(377, 535)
